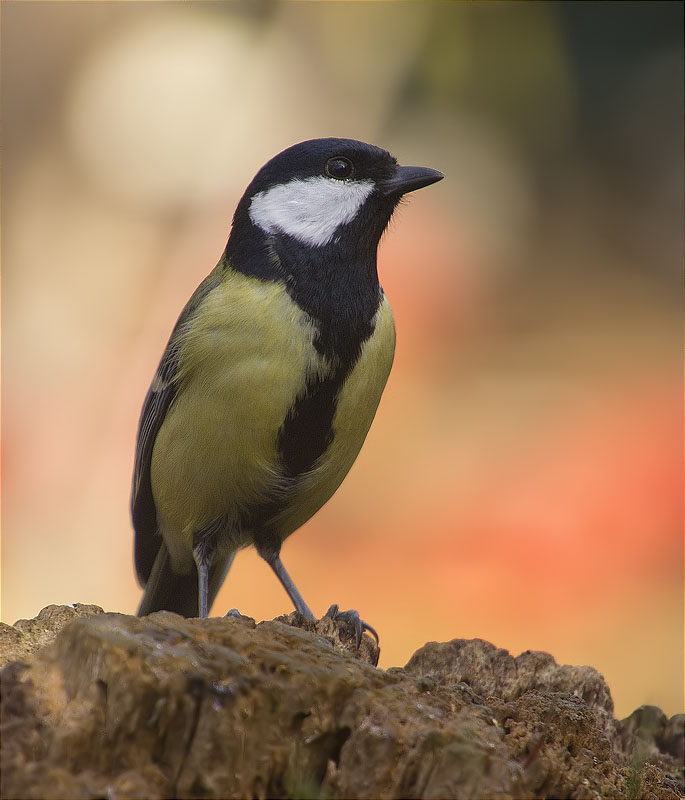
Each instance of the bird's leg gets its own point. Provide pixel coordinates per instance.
(287, 582)
(269, 547)
(204, 550)
(202, 588)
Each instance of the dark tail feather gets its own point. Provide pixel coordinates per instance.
(167, 590)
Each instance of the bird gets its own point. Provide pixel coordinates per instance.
(271, 376)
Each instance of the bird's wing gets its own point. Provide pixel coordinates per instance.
(157, 401)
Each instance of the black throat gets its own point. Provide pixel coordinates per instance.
(336, 284)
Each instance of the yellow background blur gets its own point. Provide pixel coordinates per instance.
(522, 481)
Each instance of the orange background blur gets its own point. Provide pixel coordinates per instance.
(522, 482)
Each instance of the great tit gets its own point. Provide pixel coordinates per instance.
(272, 375)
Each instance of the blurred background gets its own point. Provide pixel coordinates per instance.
(522, 482)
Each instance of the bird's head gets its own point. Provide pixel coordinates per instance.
(327, 193)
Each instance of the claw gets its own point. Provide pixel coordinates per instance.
(358, 623)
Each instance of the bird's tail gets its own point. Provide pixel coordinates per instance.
(167, 590)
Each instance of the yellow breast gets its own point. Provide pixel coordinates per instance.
(243, 361)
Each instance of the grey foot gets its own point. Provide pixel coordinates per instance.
(358, 623)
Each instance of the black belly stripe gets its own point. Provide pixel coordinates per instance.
(305, 435)
(308, 429)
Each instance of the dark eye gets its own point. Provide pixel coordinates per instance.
(339, 168)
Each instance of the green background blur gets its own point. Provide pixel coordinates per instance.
(522, 482)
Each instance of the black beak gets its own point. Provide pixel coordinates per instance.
(407, 179)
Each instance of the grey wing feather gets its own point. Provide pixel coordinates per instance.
(143, 511)
(157, 401)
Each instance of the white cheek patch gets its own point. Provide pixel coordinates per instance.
(310, 210)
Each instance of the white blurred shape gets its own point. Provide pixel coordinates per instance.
(173, 112)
